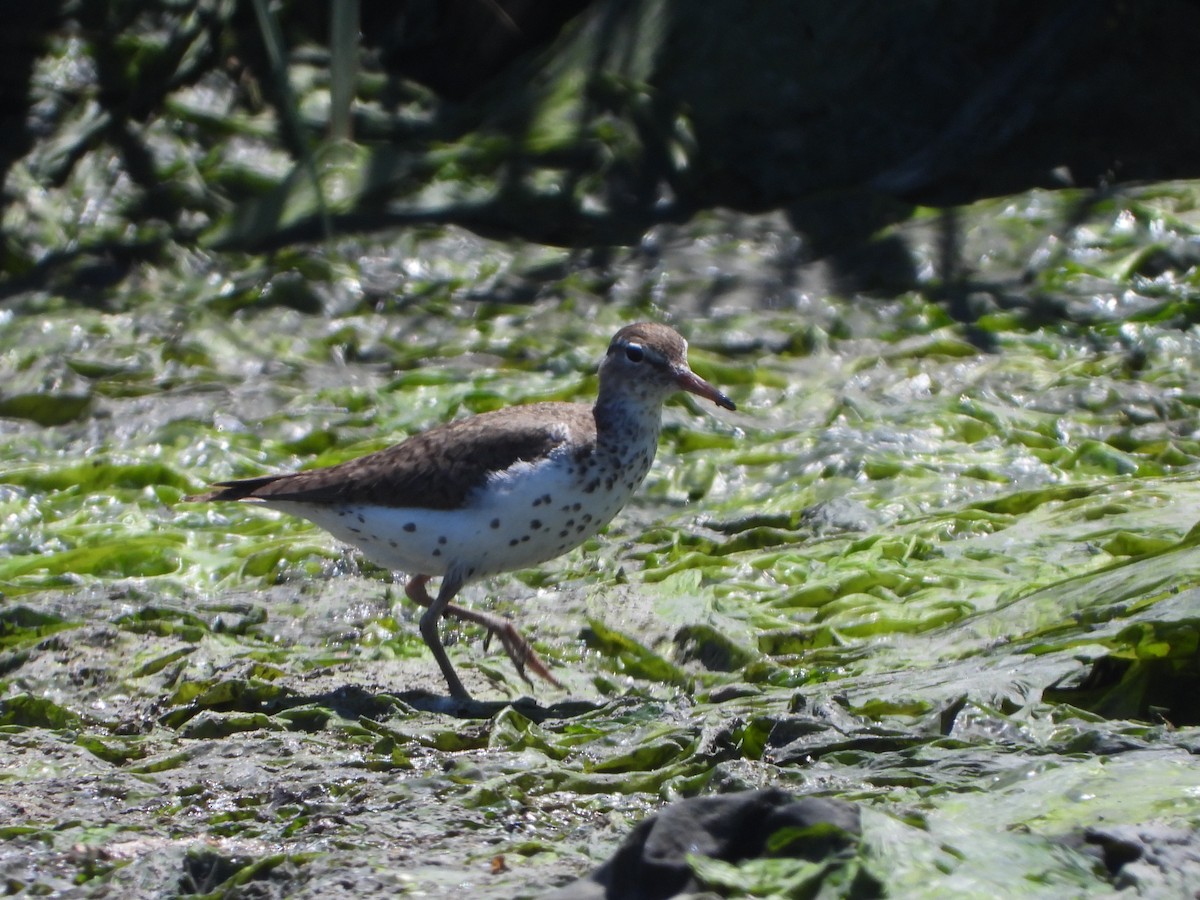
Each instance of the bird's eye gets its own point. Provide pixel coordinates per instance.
(634, 353)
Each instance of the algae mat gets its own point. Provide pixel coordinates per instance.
(947, 573)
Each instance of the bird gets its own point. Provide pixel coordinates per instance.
(497, 491)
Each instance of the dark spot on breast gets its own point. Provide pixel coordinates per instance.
(437, 552)
(513, 542)
(495, 523)
(393, 544)
(524, 538)
(410, 526)
(569, 522)
(471, 571)
(535, 524)
(563, 533)
(591, 486)
(537, 501)
(577, 507)
(361, 520)
(545, 498)
(356, 530)
(441, 539)
(587, 517)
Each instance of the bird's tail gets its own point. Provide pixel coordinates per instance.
(233, 490)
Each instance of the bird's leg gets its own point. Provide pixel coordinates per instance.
(514, 643)
(451, 583)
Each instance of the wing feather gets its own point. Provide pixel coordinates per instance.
(437, 469)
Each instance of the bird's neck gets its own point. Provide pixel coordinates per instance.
(627, 427)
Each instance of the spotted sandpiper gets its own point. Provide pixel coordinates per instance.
(502, 490)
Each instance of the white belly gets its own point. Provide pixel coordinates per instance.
(524, 516)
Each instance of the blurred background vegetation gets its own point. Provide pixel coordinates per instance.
(132, 131)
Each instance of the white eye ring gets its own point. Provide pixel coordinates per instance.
(634, 353)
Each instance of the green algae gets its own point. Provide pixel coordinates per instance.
(955, 585)
(941, 565)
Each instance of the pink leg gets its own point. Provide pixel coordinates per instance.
(514, 643)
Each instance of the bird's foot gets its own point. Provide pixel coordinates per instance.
(518, 650)
(511, 640)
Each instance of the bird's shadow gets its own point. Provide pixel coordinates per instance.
(352, 701)
(355, 702)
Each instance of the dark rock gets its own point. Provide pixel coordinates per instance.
(652, 861)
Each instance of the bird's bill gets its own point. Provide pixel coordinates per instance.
(692, 383)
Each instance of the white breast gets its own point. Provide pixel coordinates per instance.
(523, 516)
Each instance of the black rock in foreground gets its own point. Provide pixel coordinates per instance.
(651, 863)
